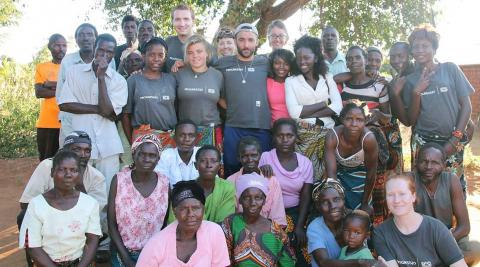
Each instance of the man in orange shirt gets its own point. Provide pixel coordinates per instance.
(48, 125)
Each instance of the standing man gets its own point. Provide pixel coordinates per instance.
(93, 95)
(129, 29)
(335, 60)
(146, 31)
(85, 36)
(245, 92)
(46, 74)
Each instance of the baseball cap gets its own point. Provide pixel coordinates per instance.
(246, 27)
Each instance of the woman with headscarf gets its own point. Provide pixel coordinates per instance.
(137, 203)
(325, 233)
(62, 226)
(251, 238)
(189, 241)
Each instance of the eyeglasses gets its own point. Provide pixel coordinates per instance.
(279, 36)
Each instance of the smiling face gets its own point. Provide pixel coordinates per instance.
(249, 158)
(155, 57)
(399, 197)
(305, 59)
(146, 157)
(430, 164)
(422, 51)
(355, 232)
(281, 68)
(226, 47)
(197, 55)
(189, 214)
(208, 164)
(65, 174)
(246, 43)
(331, 205)
(277, 38)
(252, 201)
(355, 61)
(183, 22)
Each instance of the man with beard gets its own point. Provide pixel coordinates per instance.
(41, 181)
(85, 36)
(335, 60)
(245, 92)
(48, 126)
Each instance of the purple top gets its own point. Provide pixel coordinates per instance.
(291, 182)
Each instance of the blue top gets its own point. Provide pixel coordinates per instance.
(319, 236)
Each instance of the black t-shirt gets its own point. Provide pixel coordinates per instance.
(118, 53)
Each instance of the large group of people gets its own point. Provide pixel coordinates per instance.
(179, 152)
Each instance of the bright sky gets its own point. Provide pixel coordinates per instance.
(40, 19)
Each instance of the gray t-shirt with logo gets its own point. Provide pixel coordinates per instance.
(439, 106)
(152, 101)
(198, 95)
(245, 90)
(432, 244)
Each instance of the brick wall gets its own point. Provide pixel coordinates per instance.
(473, 75)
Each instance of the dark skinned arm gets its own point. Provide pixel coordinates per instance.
(105, 106)
(112, 226)
(330, 160)
(79, 108)
(89, 250)
(40, 257)
(370, 147)
(23, 206)
(396, 102)
(305, 199)
(460, 210)
(464, 114)
(342, 77)
(320, 256)
(45, 90)
(127, 126)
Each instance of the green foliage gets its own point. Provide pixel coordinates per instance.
(159, 12)
(19, 107)
(8, 13)
(371, 22)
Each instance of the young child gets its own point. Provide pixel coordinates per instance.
(356, 229)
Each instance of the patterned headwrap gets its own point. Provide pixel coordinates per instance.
(327, 184)
(147, 138)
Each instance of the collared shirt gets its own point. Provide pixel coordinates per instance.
(299, 93)
(41, 181)
(81, 86)
(172, 166)
(338, 65)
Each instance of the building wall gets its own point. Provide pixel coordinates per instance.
(473, 75)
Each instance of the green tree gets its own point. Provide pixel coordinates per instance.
(8, 13)
(363, 22)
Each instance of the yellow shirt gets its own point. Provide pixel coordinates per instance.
(48, 118)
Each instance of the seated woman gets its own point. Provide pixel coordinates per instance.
(150, 106)
(410, 236)
(351, 157)
(62, 226)
(138, 203)
(325, 233)
(249, 151)
(253, 240)
(294, 172)
(189, 241)
(281, 62)
(439, 194)
(312, 99)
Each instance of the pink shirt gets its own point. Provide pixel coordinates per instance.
(138, 217)
(273, 208)
(161, 249)
(276, 99)
(291, 182)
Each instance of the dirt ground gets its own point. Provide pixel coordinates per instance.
(14, 175)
